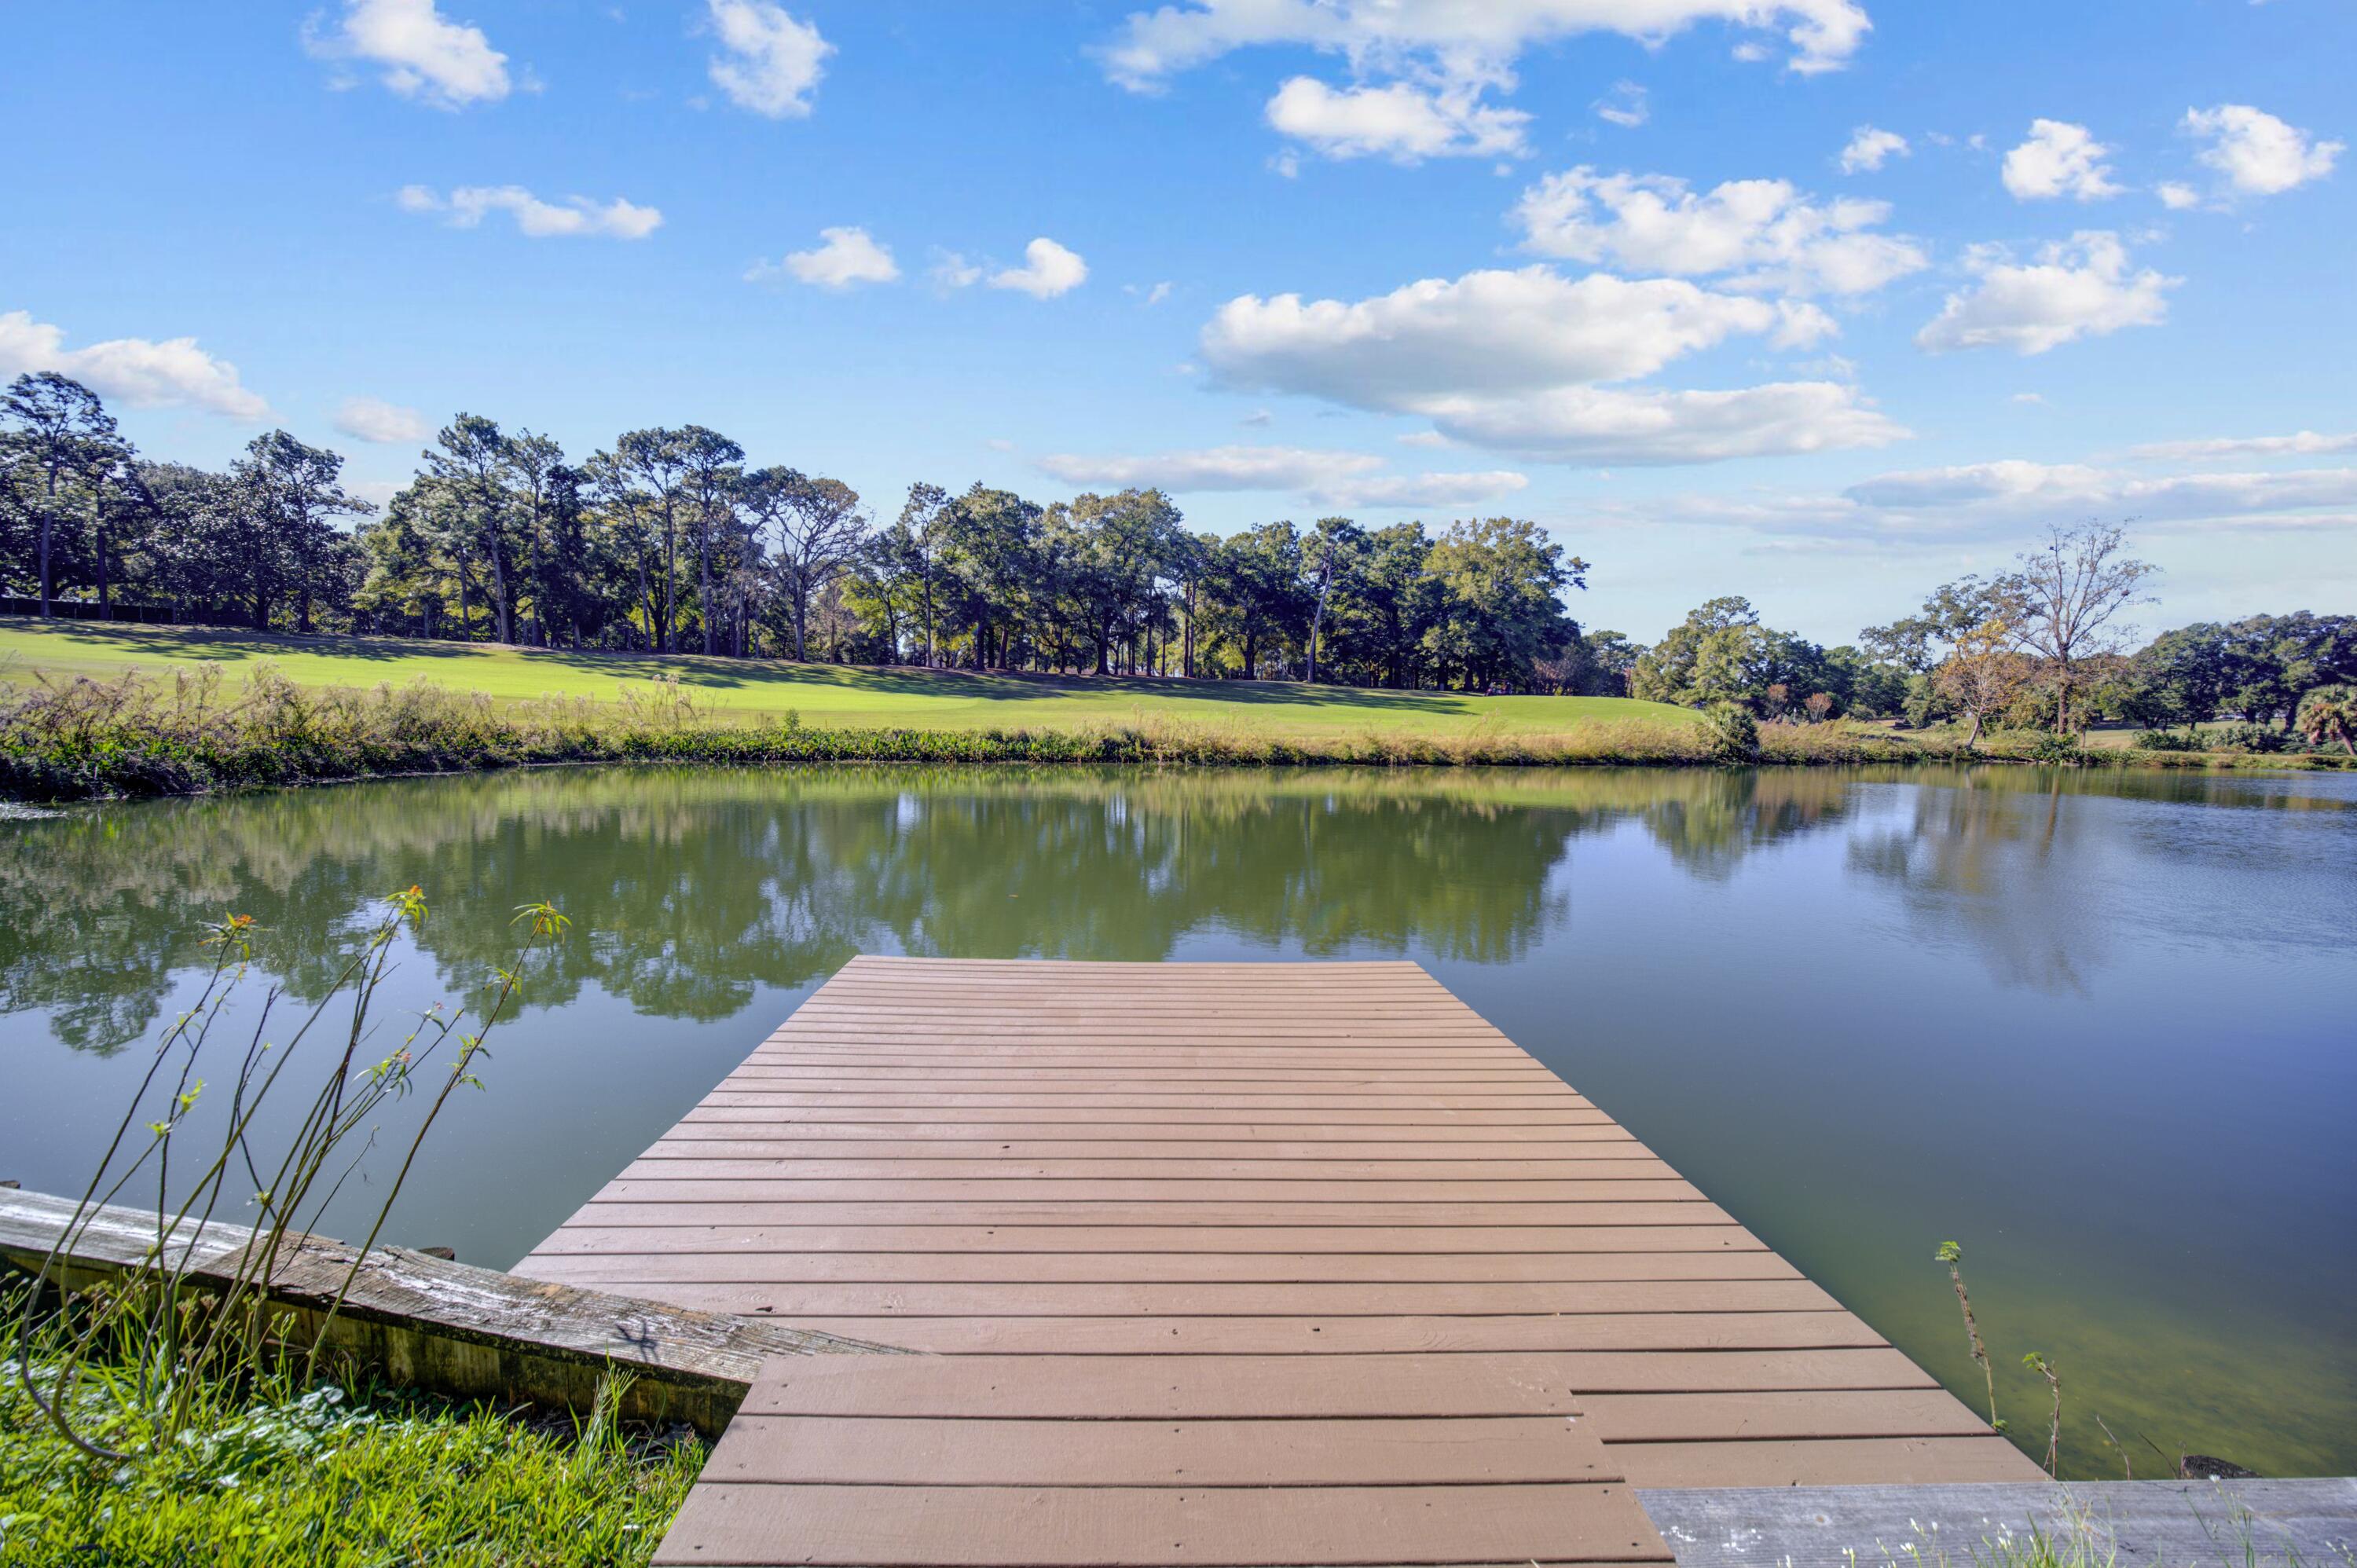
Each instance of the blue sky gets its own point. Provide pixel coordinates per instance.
(1818, 302)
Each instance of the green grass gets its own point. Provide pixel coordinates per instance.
(268, 1477)
(826, 696)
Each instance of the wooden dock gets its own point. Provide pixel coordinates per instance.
(1223, 1263)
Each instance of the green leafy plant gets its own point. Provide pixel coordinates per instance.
(2059, 750)
(1732, 733)
(2187, 739)
(2250, 737)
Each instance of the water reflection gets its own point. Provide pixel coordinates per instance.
(692, 887)
(2089, 1024)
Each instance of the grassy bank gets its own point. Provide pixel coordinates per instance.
(87, 739)
(826, 696)
(198, 731)
(272, 1476)
(171, 1414)
(194, 725)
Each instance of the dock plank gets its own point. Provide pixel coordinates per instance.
(1107, 1527)
(1222, 1263)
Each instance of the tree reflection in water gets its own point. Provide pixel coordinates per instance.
(690, 888)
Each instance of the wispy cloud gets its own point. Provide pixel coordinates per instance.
(574, 217)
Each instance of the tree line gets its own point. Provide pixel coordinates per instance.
(2044, 645)
(673, 541)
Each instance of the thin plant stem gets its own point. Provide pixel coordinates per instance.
(2045, 1369)
(1953, 1254)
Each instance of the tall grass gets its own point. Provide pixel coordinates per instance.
(163, 1415)
(174, 1331)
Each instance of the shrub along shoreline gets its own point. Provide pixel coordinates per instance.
(109, 739)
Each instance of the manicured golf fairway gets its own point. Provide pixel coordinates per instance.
(824, 694)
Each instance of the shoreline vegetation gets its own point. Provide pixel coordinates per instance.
(194, 730)
(176, 1412)
(278, 1470)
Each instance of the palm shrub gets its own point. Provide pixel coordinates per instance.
(2327, 716)
(2250, 737)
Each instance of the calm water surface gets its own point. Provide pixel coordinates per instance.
(2099, 1030)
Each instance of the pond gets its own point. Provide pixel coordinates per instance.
(2096, 1028)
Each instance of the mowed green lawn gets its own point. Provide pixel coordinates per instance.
(824, 694)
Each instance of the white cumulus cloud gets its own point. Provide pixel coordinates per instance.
(2081, 287)
(1465, 40)
(1761, 233)
(424, 54)
(1493, 330)
(1636, 427)
(1511, 361)
(1047, 269)
(1400, 121)
(469, 205)
(770, 63)
(1870, 148)
(2258, 153)
(1422, 70)
(2178, 196)
(845, 255)
(2059, 159)
(373, 419)
(143, 373)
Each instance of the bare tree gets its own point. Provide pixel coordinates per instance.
(2064, 598)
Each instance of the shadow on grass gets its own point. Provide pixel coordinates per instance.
(749, 675)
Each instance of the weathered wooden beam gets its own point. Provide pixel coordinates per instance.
(2165, 1524)
(446, 1327)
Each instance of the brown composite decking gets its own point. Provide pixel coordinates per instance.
(1223, 1263)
